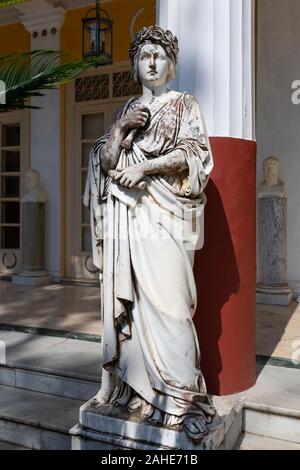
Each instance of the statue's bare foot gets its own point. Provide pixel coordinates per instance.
(195, 426)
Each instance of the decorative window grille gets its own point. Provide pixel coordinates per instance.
(93, 87)
(124, 85)
(97, 87)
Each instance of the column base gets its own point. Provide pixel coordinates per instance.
(108, 427)
(274, 295)
(32, 279)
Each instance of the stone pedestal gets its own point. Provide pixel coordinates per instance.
(33, 245)
(272, 287)
(32, 279)
(273, 295)
(114, 428)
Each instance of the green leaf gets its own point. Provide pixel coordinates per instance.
(26, 73)
(7, 3)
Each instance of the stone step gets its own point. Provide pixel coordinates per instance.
(68, 387)
(36, 420)
(65, 367)
(53, 355)
(273, 422)
(44, 380)
(272, 406)
(9, 446)
(257, 442)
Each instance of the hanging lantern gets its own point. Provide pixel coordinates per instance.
(97, 34)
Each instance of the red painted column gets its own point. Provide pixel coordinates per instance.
(225, 269)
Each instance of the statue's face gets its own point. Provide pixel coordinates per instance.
(153, 65)
(271, 172)
(32, 181)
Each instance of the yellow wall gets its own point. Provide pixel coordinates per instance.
(14, 37)
(121, 12)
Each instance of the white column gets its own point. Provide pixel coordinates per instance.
(44, 26)
(216, 61)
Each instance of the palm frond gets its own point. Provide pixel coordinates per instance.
(8, 3)
(26, 73)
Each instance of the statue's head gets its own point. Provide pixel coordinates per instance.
(154, 56)
(271, 171)
(32, 180)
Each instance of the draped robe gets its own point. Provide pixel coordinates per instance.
(143, 243)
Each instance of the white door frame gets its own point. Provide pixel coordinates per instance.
(10, 259)
(78, 265)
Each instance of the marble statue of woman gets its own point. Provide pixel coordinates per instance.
(145, 203)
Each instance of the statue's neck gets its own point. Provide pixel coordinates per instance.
(150, 93)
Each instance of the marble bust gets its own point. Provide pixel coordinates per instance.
(151, 187)
(272, 286)
(33, 234)
(271, 184)
(33, 186)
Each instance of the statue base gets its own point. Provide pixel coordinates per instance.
(108, 427)
(32, 279)
(274, 295)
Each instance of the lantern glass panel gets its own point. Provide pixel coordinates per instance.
(97, 35)
(91, 38)
(106, 43)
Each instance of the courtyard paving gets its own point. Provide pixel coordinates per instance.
(75, 308)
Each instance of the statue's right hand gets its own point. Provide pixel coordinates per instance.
(135, 119)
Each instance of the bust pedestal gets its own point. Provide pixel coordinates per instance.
(33, 235)
(272, 287)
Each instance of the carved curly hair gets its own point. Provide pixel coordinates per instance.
(154, 35)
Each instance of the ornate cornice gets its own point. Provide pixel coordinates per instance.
(40, 22)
